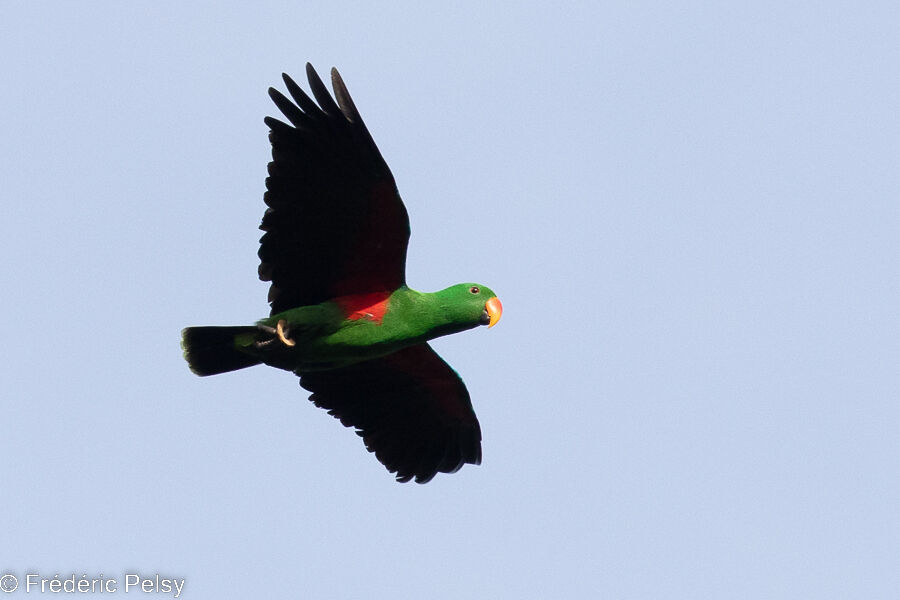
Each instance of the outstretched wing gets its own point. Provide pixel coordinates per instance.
(335, 224)
(411, 409)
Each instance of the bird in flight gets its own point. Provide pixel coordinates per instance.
(342, 317)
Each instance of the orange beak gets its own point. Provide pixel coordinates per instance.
(494, 310)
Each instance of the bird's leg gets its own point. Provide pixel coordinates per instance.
(283, 333)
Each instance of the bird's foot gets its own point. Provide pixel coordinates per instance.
(269, 331)
(283, 332)
(280, 332)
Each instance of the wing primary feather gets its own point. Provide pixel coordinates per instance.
(320, 92)
(300, 97)
(343, 97)
(288, 108)
(276, 125)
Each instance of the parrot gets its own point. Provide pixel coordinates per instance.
(342, 316)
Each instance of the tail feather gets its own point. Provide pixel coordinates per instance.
(213, 350)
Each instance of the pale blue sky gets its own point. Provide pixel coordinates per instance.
(689, 211)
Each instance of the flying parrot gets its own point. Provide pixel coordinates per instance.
(342, 317)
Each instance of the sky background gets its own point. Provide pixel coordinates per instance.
(689, 210)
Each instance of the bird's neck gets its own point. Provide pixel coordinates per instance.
(428, 315)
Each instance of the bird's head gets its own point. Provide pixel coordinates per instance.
(471, 303)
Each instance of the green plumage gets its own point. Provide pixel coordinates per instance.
(327, 339)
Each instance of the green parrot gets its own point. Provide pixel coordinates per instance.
(342, 317)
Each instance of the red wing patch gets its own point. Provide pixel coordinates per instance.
(365, 306)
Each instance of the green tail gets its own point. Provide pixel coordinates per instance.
(212, 350)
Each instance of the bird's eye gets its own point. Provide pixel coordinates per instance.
(474, 289)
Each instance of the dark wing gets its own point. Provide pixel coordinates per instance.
(335, 225)
(411, 409)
